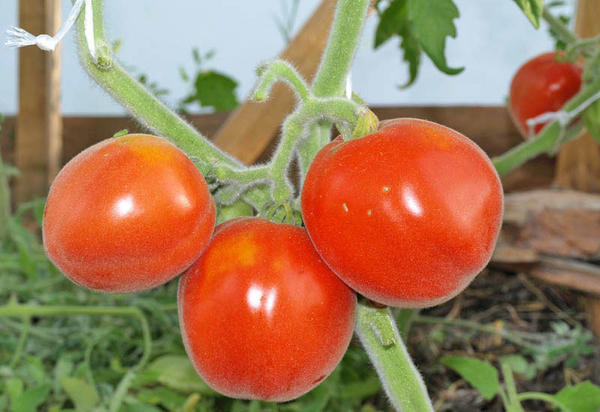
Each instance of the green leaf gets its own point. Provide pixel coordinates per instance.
(591, 118)
(480, 374)
(533, 10)
(63, 369)
(14, 388)
(394, 21)
(216, 90)
(391, 21)
(584, 397)
(30, 400)
(83, 395)
(432, 22)
(519, 365)
(177, 372)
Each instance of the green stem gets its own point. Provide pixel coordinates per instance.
(543, 397)
(511, 389)
(150, 111)
(545, 141)
(22, 340)
(139, 101)
(559, 28)
(280, 70)
(344, 37)
(402, 382)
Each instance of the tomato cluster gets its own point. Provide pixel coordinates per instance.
(406, 217)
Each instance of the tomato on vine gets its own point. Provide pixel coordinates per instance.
(543, 84)
(261, 315)
(127, 214)
(406, 216)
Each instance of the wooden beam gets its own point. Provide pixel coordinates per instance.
(253, 125)
(578, 162)
(38, 128)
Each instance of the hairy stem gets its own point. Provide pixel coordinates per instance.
(559, 28)
(336, 62)
(402, 382)
(150, 111)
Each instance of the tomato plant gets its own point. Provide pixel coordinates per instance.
(406, 216)
(127, 214)
(262, 316)
(543, 84)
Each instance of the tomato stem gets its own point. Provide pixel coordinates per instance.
(559, 27)
(280, 70)
(336, 62)
(403, 384)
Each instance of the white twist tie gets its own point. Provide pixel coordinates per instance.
(17, 37)
(562, 117)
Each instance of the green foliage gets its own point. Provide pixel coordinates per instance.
(480, 374)
(422, 26)
(210, 88)
(533, 10)
(584, 397)
(76, 363)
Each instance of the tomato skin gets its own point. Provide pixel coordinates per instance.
(542, 85)
(261, 315)
(127, 214)
(406, 216)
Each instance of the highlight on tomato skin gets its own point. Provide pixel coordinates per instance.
(261, 316)
(541, 85)
(406, 216)
(127, 214)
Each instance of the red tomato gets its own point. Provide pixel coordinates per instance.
(127, 214)
(406, 216)
(542, 85)
(261, 315)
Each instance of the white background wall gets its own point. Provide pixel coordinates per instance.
(494, 38)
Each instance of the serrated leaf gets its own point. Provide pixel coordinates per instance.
(83, 395)
(30, 400)
(215, 90)
(391, 21)
(584, 397)
(177, 372)
(480, 374)
(433, 21)
(394, 21)
(532, 9)
(63, 369)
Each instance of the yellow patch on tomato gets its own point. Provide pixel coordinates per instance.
(232, 253)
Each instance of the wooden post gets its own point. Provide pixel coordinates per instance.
(38, 128)
(578, 162)
(250, 129)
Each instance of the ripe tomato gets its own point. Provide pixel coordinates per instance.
(261, 315)
(127, 214)
(406, 216)
(542, 85)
